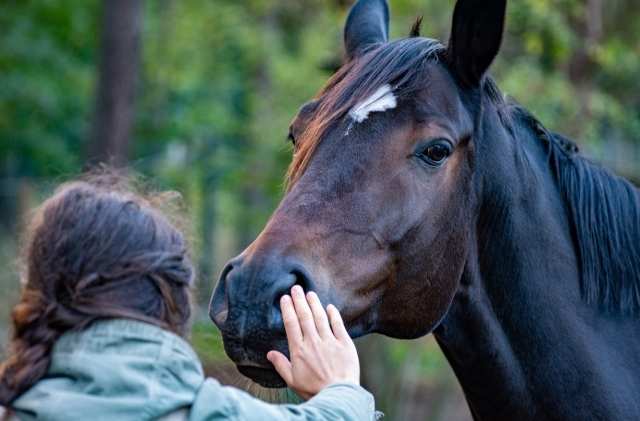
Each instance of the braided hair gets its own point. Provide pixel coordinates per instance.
(93, 251)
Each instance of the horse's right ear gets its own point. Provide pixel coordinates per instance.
(476, 35)
(367, 24)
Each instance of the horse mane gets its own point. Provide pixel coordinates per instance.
(604, 215)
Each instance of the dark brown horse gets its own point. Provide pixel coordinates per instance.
(420, 201)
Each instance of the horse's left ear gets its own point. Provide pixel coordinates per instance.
(476, 35)
(367, 24)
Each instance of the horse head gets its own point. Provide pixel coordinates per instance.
(382, 196)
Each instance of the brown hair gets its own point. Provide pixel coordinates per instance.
(93, 251)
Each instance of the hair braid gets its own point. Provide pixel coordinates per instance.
(31, 345)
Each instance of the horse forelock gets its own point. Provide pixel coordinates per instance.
(400, 64)
(604, 215)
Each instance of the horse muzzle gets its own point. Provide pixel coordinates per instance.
(246, 308)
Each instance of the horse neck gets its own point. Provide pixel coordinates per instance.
(518, 327)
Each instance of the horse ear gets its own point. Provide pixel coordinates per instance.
(476, 35)
(367, 24)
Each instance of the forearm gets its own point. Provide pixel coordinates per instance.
(339, 402)
(356, 403)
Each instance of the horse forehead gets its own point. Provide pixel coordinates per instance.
(437, 98)
(440, 95)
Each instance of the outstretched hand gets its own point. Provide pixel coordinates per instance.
(319, 356)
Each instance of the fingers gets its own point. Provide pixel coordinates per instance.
(305, 316)
(319, 316)
(337, 324)
(282, 365)
(290, 318)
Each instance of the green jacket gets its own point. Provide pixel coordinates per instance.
(131, 371)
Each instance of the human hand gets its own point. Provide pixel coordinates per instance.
(319, 356)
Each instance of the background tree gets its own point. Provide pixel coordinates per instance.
(119, 56)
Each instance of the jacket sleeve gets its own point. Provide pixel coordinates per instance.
(337, 402)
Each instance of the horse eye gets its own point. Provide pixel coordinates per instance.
(437, 153)
(434, 153)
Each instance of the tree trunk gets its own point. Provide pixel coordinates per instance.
(111, 132)
(588, 27)
(211, 177)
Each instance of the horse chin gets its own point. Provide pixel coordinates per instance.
(265, 377)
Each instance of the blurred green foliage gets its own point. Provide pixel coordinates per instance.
(47, 76)
(208, 343)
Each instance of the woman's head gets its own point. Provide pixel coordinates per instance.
(94, 251)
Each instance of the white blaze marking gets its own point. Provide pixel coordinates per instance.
(383, 99)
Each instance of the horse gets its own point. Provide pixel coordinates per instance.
(420, 200)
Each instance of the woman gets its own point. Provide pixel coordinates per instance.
(97, 333)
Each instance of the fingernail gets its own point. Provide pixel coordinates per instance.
(270, 356)
(297, 289)
(285, 298)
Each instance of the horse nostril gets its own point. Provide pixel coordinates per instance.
(297, 276)
(284, 288)
(304, 280)
(219, 306)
